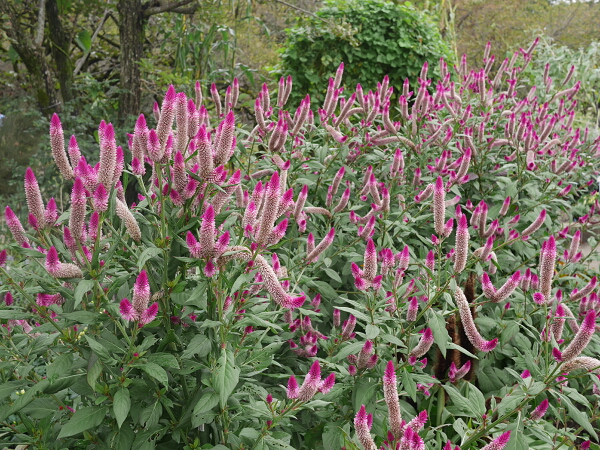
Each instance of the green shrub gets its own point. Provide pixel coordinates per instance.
(372, 38)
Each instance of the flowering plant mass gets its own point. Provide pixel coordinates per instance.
(398, 268)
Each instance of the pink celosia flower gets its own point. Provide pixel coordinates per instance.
(58, 269)
(546, 267)
(413, 309)
(127, 311)
(33, 196)
(439, 206)
(292, 388)
(535, 225)
(141, 293)
(362, 425)
(507, 288)
(455, 374)
(390, 394)
(311, 383)
(313, 256)
(539, 412)
(327, 384)
(469, 325)
(499, 443)
(15, 227)
(585, 291)
(3, 258)
(424, 344)
(148, 314)
(57, 144)
(581, 340)
(461, 246)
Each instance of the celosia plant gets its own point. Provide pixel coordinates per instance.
(350, 239)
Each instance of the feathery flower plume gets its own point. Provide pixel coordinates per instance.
(461, 247)
(390, 395)
(127, 310)
(413, 309)
(33, 196)
(205, 153)
(581, 340)
(313, 256)
(74, 152)
(78, 209)
(57, 144)
(507, 288)
(424, 344)
(311, 383)
(131, 224)
(58, 269)
(581, 362)
(148, 314)
(214, 93)
(455, 374)
(141, 293)
(546, 267)
(165, 121)
(348, 328)
(469, 325)
(574, 247)
(51, 213)
(4, 256)
(587, 289)
(362, 422)
(15, 227)
(535, 225)
(539, 412)
(108, 156)
(499, 443)
(100, 200)
(292, 388)
(439, 206)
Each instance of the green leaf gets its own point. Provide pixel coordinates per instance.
(61, 366)
(371, 331)
(437, 323)
(164, 360)
(147, 254)
(84, 40)
(207, 402)
(463, 404)
(199, 345)
(83, 419)
(155, 371)
(11, 314)
(409, 385)
(226, 376)
(99, 350)
(578, 416)
(121, 405)
(333, 275)
(93, 374)
(82, 288)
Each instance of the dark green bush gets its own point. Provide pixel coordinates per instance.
(372, 38)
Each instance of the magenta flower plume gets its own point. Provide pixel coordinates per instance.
(108, 157)
(327, 384)
(546, 267)
(507, 288)
(51, 213)
(390, 395)
(33, 196)
(78, 209)
(225, 140)
(582, 338)
(439, 206)
(167, 116)
(127, 311)
(424, 344)
(16, 228)
(57, 144)
(311, 384)
(403, 258)
(8, 298)
(100, 200)
(363, 429)
(535, 225)
(364, 355)
(208, 232)
(74, 152)
(141, 293)
(149, 314)
(4, 256)
(461, 247)
(469, 325)
(539, 412)
(370, 261)
(499, 443)
(413, 309)
(58, 269)
(153, 146)
(348, 328)
(131, 224)
(313, 256)
(292, 388)
(585, 291)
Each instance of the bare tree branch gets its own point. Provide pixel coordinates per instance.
(289, 5)
(87, 53)
(167, 7)
(39, 30)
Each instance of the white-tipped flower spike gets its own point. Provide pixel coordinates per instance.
(587, 289)
(424, 344)
(390, 395)
(581, 339)
(74, 152)
(461, 246)
(108, 156)
(558, 323)
(311, 384)
(425, 193)
(179, 172)
(33, 196)
(505, 206)
(499, 443)
(370, 261)
(362, 424)
(581, 362)
(439, 206)
(58, 269)
(535, 225)
(57, 144)
(208, 232)
(313, 256)
(539, 412)
(130, 223)
(270, 209)
(546, 268)
(413, 309)
(225, 141)
(507, 288)
(469, 325)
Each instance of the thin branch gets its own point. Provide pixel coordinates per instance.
(39, 31)
(289, 5)
(87, 53)
(167, 7)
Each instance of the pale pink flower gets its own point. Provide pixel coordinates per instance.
(141, 293)
(311, 383)
(58, 269)
(348, 328)
(51, 213)
(535, 225)
(127, 311)
(57, 144)
(581, 362)
(455, 374)
(14, 225)
(78, 209)
(469, 325)
(131, 224)
(100, 200)
(540, 410)
(581, 340)
(461, 246)
(148, 314)
(313, 256)
(424, 344)
(362, 424)
(33, 196)
(499, 443)
(108, 157)
(546, 267)
(413, 309)
(507, 288)
(439, 206)
(587, 289)
(327, 384)
(390, 395)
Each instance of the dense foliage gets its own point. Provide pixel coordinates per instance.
(373, 38)
(313, 283)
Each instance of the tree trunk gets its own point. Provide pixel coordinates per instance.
(131, 33)
(60, 51)
(33, 56)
